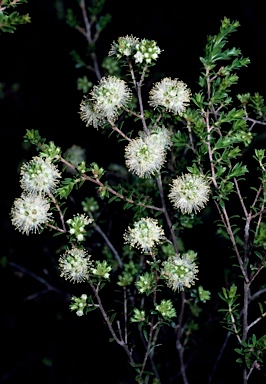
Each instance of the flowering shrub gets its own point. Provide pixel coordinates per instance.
(182, 155)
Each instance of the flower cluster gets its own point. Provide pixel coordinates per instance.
(107, 99)
(146, 155)
(77, 226)
(125, 46)
(189, 193)
(141, 50)
(101, 269)
(166, 309)
(89, 115)
(75, 265)
(125, 279)
(127, 276)
(146, 283)
(78, 304)
(30, 212)
(170, 94)
(145, 234)
(180, 272)
(138, 316)
(39, 176)
(242, 136)
(147, 51)
(90, 205)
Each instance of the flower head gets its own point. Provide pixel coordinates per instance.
(146, 51)
(101, 269)
(30, 212)
(180, 272)
(146, 283)
(75, 265)
(138, 316)
(189, 193)
(145, 234)
(78, 304)
(89, 115)
(170, 94)
(77, 226)
(39, 176)
(145, 155)
(166, 309)
(110, 96)
(125, 46)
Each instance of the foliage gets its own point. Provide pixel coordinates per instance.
(10, 20)
(183, 157)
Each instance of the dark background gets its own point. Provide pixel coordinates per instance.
(40, 340)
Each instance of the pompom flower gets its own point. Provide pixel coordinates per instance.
(89, 115)
(180, 272)
(146, 155)
(145, 234)
(125, 46)
(170, 94)
(110, 96)
(30, 213)
(39, 176)
(189, 193)
(75, 265)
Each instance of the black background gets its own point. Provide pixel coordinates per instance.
(37, 327)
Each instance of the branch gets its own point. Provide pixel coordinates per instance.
(168, 220)
(109, 325)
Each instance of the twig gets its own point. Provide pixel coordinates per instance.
(108, 242)
(34, 276)
(115, 128)
(165, 212)
(59, 211)
(111, 190)
(179, 346)
(120, 342)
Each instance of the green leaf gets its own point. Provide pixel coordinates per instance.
(237, 171)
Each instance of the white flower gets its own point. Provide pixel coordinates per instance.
(145, 234)
(77, 224)
(138, 57)
(189, 193)
(39, 176)
(138, 315)
(75, 265)
(180, 272)
(30, 213)
(125, 46)
(101, 269)
(171, 94)
(146, 50)
(166, 309)
(145, 155)
(89, 115)
(110, 96)
(146, 283)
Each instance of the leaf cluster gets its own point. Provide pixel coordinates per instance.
(9, 20)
